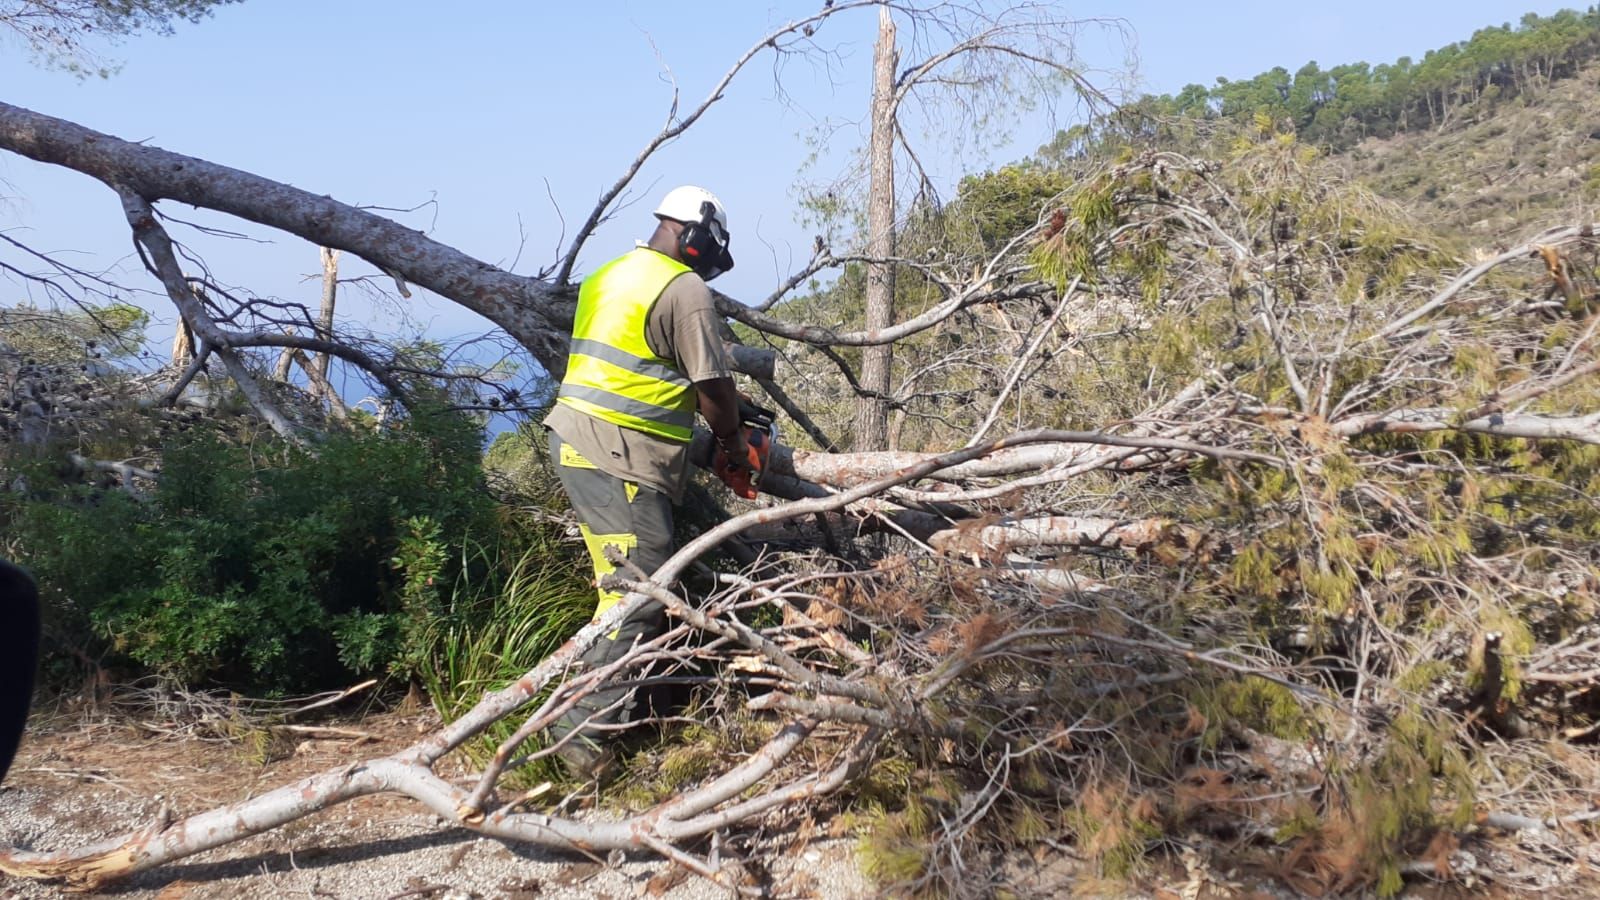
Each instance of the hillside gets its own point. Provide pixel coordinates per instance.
(1477, 138)
(1502, 168)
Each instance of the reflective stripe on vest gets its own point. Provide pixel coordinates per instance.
(612, 374)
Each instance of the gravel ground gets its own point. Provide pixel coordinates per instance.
(75, 785)
(88, 780)
(341, 853)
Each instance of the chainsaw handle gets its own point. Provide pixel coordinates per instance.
(745, 480)
(753, 413)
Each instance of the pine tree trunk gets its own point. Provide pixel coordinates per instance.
(872, 413)
(182, 345)
(330, 290)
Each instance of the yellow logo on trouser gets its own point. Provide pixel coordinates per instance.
(572, 459)
(596, 544)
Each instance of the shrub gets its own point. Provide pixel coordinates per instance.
(262, 568)
(536, 596)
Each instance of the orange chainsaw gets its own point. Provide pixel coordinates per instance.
(760, 433)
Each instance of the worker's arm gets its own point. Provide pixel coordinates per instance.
(683, 327)
(719, 404)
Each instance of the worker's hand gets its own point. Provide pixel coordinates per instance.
(753, 413)
(735, 452)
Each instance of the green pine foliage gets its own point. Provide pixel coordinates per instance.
(1342, 105)
(112, 330)
(1361, 540)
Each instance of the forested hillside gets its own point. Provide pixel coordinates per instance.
(1346, 103)
(1475, 139)
(1497, 167)
(1232, 528)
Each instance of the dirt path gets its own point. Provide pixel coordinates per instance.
(79, 783)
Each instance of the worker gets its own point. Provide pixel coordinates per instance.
(645, 353)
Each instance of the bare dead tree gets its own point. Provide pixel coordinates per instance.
(782, 40)
(330, 292)
(183, 349)
(871, 430)
(985, 49)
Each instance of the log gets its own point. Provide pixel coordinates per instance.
(1139, 535)
(846, 470)
(1582, 428)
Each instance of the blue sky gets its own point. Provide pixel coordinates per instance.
(489, 109)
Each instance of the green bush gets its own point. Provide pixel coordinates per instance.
(538, 595)
(262, 569)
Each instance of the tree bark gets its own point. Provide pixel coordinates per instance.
(872, 412)
(330, 293)
(1138, 535)
(847, 470)
(280, 369)
(1582, 428)
(182, 345)
(149, 234)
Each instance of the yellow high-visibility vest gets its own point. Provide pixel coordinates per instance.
(612, 374)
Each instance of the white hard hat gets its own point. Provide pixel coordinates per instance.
(703, 241)
(683, 204)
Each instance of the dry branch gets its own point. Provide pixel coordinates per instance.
(409, 771)
(1141, 536)
(1049, 449)
(535, 313)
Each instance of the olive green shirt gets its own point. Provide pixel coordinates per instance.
(682, 326)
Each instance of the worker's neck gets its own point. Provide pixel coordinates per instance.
(664, 241)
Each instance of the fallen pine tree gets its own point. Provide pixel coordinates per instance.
(1308, 555)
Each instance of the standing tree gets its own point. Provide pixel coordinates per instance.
(974, 66)
(871, 430)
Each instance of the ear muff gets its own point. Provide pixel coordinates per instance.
(704, 245)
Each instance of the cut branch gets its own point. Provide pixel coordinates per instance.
(1141, 535)
(1583, 428)
(676, 125)
(1045, 449)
